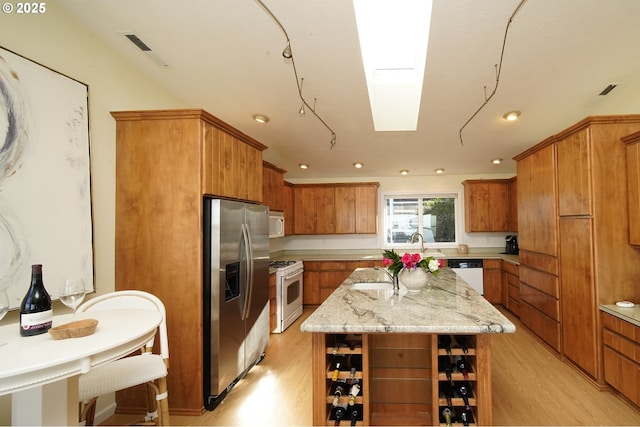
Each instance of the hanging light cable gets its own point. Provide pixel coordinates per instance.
(288, 54)
(498, 70)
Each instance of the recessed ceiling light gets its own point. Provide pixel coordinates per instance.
(512, 115)
(404, 172)
(496, 161)
(439, 170)
(358, 165)
(303, 166)
(260, 118)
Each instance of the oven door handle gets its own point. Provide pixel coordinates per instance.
(291, 275)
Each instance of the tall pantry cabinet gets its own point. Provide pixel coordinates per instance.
(596, 265)
(166, 161)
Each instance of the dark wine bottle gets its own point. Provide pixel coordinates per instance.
(462, 342)
(35, 311)
(465, 417)
(464, 392)
(339, 412)
(447, 390)
(355, 415)
(461, 363)
(444, 365)
(445, 342)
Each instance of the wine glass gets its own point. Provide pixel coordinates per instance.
(4, 307)
(72, 293)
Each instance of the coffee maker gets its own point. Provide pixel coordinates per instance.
(511, 246)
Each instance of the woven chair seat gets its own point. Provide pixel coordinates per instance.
(121, 374)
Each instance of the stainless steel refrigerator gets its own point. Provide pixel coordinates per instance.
(235, 294)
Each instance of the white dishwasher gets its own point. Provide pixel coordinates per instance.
(470, 269)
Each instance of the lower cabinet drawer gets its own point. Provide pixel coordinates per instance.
(543, 326)
(541, 301)
(622, 374)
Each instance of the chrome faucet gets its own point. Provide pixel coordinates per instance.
(413, 240)
(394, 279)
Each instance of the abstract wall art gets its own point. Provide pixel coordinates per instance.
(45, 177)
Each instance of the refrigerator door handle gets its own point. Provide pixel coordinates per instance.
(246, 235)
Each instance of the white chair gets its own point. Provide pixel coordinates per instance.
(145, 368)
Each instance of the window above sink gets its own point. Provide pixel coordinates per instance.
(433, 216)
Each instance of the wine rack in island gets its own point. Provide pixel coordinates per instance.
(344, 382)
(401, 379)
(459, 385)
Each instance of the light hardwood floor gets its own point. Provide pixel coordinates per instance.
(530, 387)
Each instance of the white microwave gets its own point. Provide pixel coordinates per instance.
(276, 224)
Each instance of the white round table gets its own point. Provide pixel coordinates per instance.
(42, 373)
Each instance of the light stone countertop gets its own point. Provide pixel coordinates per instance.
(376, 254)
(447, 305)
(631, 314)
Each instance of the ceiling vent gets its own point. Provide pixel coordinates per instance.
(609, 88)
(144, 48)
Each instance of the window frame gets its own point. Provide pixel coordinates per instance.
(458, 213)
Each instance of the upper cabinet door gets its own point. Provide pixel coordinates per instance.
(486, 205)
(574, 174)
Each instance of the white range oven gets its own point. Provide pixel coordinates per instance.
(288, 292)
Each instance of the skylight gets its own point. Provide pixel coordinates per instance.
(393, 39)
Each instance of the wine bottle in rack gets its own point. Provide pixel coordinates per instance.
(36, 315)
(339, 413)
(462, 342)
(337, 393)
(461, 363)
(465, 392)
(354, 415)
(444, 365)
(354, 391)
(465, 417)
(338, 363)
(447, 390)
(447, 414)
(445, 342)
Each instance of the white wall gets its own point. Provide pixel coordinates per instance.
(56, 41)
(406, 184)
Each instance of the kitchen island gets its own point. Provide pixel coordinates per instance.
(392, 339)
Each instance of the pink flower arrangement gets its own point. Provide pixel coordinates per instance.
(395, 263)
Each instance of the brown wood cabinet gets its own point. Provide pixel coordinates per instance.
(273, 187)
(321, 278)
(511, 287)
(537, 200)
(288, 209)
(492, 280)
(622, 356)
(513, 204)
(596, 265)
(345, 208)
(486, 205)
(632, 143)
(165, 162)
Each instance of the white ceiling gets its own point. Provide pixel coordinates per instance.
(225, 56)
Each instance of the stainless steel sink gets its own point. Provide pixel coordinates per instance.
(371, 286)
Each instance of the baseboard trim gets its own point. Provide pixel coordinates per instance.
(105, 414)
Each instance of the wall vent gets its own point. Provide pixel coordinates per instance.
(139, 43)
(609, 88)
(145, 48)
